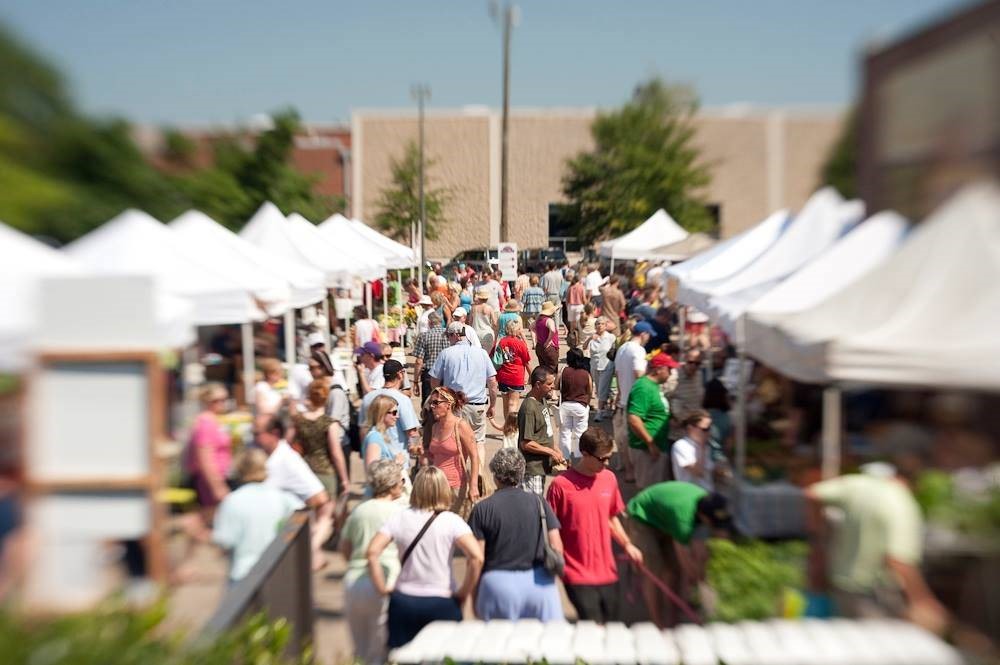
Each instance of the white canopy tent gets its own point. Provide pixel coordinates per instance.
(660, 229)
(278, 283)
(307, 234)
(726, 258)
(135, 243)
(824, 218)
(407, 256)
(394, 255)
(847, 261)
(304, 285)
(683, 249)
(927, 316)
(24, 262)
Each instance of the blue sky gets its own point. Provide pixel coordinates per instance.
(210, 61)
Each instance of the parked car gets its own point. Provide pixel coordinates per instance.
(477, 258)
(537, 260)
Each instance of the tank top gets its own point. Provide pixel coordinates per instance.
(542, 332)
(484, 329)
(446, 455)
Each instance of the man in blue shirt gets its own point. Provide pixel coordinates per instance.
(408, 423)
(468, 369)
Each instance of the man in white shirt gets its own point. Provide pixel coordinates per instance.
(250, 518)
(493, 289)
(287, 471)
(427, 306)
(630, 364)
(369, 366)
(593, 283)
(470, 334)
(691, 455)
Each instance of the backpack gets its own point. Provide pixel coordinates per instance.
(501, 355)
(353, 427)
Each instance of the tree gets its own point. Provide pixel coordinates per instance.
(399, 203)
(643, 159)
(841, 167)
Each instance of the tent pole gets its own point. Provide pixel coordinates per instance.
(832, 431)
(741, 426)
(246, 331)
(290, 337)
(385, 306)
(325, 313)
(683, 324)
(368, 297)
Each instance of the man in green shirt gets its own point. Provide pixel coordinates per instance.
(649, 422)
(663, 523)
(534, 432)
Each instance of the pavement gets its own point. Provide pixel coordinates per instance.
(192, 603)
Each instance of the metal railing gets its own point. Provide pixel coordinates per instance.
(280, 584)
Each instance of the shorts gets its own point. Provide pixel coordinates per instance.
(573, 313)
(504, 388)
(594, 602)
(534, 484)
(648, 472)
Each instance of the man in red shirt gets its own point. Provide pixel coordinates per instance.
(587, 502)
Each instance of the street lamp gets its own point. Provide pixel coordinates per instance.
(421, 93)
(508, 17)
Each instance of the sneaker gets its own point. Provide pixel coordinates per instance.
(599, 417)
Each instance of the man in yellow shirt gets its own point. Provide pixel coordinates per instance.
(869, 554)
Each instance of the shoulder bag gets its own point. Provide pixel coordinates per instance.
(553, 561)
(423, 530)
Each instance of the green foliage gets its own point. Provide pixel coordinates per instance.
(943, 502)
(64, 174)
(643, 159)
(399, 203)
(841, 167)
(114, 635)
(749, 577)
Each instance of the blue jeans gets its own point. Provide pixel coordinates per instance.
(409, 614)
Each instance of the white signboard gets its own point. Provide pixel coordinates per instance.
(507, 252)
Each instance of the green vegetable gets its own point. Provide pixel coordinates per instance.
(750, 577)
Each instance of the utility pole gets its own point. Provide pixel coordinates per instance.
(507, 18)
(421, 93)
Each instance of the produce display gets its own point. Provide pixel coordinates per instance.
(750, 578)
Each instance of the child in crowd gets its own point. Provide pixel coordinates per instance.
(509, 430)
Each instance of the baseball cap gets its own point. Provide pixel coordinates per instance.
(391, 368)
(715, 507)
(662, 359)
(316, 338)
(643, 327)
(456, 328)
(459, 311)
(371, 348)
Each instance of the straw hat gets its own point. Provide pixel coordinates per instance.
(482, 294)
(512, 306)
(549, 308)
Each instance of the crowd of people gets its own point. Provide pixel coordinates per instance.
(544, 505)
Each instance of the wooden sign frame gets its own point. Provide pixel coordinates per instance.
(148, 483)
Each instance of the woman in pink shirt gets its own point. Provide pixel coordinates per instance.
(209, 452)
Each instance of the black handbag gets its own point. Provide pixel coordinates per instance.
(553, 561)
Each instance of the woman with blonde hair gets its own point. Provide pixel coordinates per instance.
(320, 436)
(483, 320)
(448, 442)
(426, 534)
(382, 442)
(209, 452)
(268, 396)
(515, 359)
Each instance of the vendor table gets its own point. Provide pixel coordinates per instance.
(770, 510)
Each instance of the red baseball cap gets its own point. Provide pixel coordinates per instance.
(662, 359)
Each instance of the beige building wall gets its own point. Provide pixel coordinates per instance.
(760, 161)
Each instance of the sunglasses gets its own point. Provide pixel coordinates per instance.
(436, 402)
(703, 429)
(387, 357)
(394, 412)
(604, 459)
